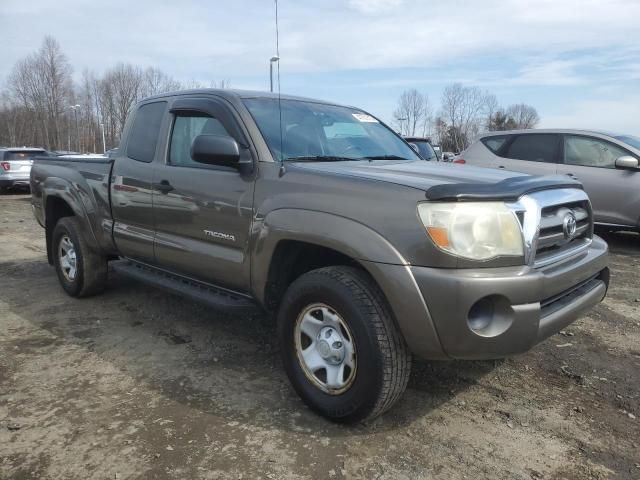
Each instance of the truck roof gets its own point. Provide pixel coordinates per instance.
(234, 94)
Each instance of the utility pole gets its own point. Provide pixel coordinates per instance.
(273, 59)
(75, 112)
(401, 123)
(104, 143)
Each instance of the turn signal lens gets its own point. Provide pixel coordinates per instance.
(6, 166)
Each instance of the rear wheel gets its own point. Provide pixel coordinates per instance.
(340, 346)
(81, 271)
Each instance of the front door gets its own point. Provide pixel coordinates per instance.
(202, 212)
(614, 192)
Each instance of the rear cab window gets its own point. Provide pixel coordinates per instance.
(534, 147)
(143, 137)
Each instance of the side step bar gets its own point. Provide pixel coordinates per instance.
(216, 297)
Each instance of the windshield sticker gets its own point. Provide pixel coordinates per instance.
(363, 117)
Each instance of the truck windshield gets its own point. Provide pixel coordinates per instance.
(317, 131)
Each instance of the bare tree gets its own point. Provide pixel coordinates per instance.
(411, 112)
(222, 84)
(155, 81)
(41, 84)
(491, 106)
(462, 110)
(523, 115)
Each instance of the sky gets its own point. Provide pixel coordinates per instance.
(576, 61)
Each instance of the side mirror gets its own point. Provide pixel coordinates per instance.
(627, 161)
(215, 150)
(414, 146)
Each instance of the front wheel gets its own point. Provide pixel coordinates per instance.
(341, 349)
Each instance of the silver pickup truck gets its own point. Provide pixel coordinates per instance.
(324, 217)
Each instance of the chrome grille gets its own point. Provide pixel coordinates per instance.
(543, 216)
(552, 235)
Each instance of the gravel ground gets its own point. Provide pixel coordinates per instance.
(136, 383)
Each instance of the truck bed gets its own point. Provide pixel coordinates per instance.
(83, 182)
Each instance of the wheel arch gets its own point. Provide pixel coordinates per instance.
(59, 203)
(290, 242)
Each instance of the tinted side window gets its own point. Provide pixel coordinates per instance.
(24, 155)
(185, 129)
(536, 148)
(143, 136)
(494, 143)
(591, 152)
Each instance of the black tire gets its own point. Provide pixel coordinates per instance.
(90, 268)
(383, 361)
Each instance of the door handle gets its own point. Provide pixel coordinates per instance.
(164, 186)
(500, 166)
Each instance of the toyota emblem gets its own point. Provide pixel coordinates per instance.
(569, 226)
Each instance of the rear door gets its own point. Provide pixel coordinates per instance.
(532, 153)
(614, 192)
(131, 194)
(203, 212)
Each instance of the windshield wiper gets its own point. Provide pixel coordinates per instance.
(386, 157)
(320, 158)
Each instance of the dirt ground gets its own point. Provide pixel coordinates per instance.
(137, 383)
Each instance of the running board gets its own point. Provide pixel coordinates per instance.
(200, 292)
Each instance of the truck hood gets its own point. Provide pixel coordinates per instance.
(445, 181)
(418, 174)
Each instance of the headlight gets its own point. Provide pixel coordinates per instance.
(475, 230)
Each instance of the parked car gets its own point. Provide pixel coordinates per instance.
(423, 147)
(365, 253)
(448, 156)
(605, 163)
(15, 166)
(112, 153)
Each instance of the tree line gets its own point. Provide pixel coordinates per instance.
(41, 105)
(464, 112)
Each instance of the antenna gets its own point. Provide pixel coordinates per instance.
(279, 97)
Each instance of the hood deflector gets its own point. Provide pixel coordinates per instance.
(507, 189)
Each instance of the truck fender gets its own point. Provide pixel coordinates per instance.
(366, 246)
(77, 200)
(342, 234)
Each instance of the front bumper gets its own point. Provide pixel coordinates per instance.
(521, 305)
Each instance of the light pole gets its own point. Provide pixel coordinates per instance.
(104, 143)
(75, 112)
(273, 59)
(400, 120)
